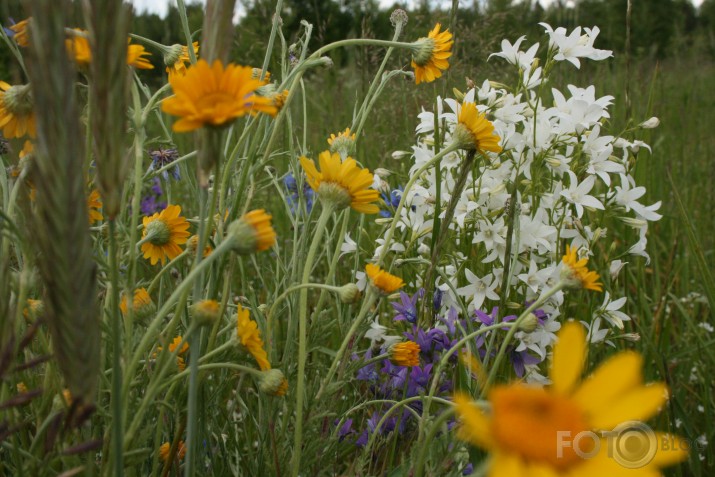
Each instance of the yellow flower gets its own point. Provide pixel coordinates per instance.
(164, 232)
(343, 143)
(214, 96)
(205, 312)
(135, 57)
(279, 99)
(166, 447)
(21, 387)
(34, 309)
(193, 244)
(384, 281)
(78, 47)
(342, 183)
(577, 274)
(21, 33)
(405, 354)
(142, 304)
(474, 131)
(549, 431)
(430, 58)
(94, 203)
(250, 337)
(252, 233)
(256, 74)
(177, 58)
(17, 117)
(178, 341)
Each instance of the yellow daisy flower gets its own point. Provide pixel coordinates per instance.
(142, 304)
(405, 354)
(214, 96)
(577, 273)
(135, 57)
(552, 432)
(94, 203)
(382, 280)
(342, 183)
(205, 312)
(177, 59)
(193, 244)
(430, 59)
(21, 32)
(164, 232)
(343, 143)
(250, 337)
(474, 131)
(17, 117)
(252, 233)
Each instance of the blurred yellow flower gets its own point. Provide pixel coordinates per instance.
(405, 354)
(550, 431)
(166, 447)
(177, 59)
(94, 203)
(21, 33)
(214, 96)
(17, 116)
(135, 57)
(383, 280)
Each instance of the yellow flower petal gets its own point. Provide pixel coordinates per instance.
(568, 358)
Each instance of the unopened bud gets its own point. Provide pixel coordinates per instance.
(205, 312)
(529, 323)
(273, 383)
(650, 123)
(349, 293)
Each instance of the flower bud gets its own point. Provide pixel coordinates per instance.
(273, 383)
(205, 312)
(349, 293)
(650, 123)
(529, 323)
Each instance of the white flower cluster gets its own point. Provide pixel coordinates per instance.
(566, 174)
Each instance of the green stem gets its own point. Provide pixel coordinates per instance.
(422, 456)
(515, 327)
(398, 212)
(117, 420)
(153, 328)
(155, 282)
(334, 262)
(325, 214)
(370, 300)
(364, 42)
(187, 32)
(272, 38)
(284, 295)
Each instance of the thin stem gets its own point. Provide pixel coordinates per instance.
(155, 282)
(363, 42)
(187, 32)
(115, 318)
(272, 38)
(325, 214)
(515, 327)
(370, 300)
(294, 288)
(422, 456)
(398, 211)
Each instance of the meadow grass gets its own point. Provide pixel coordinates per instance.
(216, 400)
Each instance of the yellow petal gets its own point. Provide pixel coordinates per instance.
(637, 405)
(475, 425)
(568, 357)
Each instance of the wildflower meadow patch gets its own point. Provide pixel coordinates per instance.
(190, 285)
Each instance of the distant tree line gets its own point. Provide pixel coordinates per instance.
(659, 28)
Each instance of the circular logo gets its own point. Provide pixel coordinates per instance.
(632, 444)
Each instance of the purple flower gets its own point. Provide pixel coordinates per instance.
(419, 378)
(407, 309)
(307, 194)
(437, 299)
(519, 359)
(487, 319)
(345, 430)
(150, 203)
(391, 201)
(163, 157)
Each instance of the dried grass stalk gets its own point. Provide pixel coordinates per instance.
(108, 23)
(62, 237)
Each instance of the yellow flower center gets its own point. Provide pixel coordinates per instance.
(528, 421)
(158, 232)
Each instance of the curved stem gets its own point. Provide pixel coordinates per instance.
(502, 351)
(282, 296)
(363, 42)
(325, 214)
(422, 456)
(163, 270)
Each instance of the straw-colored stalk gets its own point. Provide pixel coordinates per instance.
(108, 23)
(62, 237)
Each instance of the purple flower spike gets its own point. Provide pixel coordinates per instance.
(407, 309)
